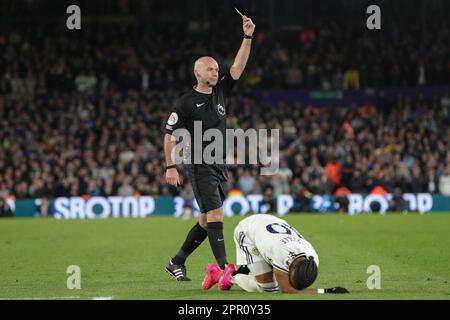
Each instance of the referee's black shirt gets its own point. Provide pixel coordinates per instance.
(209, 108)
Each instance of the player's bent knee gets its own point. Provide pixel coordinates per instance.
(215, 215)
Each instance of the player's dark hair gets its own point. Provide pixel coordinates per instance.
(305, 273)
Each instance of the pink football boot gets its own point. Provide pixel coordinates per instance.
(225, 281)
(213, 273)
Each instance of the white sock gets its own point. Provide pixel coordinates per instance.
(246, 282)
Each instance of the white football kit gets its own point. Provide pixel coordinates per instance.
(264, 242)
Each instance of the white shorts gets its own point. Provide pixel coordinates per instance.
(248, 254)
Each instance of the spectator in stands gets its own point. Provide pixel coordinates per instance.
(397, 202)
(333, 171)
(268, 204)
(444, 182)
(433, 182)
(342, 201)
(348, 169)
(246, 182)
(126, 190)
(5, 210)
(418, 182)
(300, 195)
(351, 78)
(357, 182)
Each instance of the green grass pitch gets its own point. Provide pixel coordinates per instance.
(125, 258)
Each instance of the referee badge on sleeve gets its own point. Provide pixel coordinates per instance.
(173, 119)
(221, 109)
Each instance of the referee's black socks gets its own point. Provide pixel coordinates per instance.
(217, 242)
(194, 238)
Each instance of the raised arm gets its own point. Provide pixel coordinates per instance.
(172, 176)
(244, 51)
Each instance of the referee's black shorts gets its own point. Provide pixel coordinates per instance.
(208, 184)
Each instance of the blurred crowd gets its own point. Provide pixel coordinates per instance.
(83, 113)
(39, 60)
(339, 56)
(69, 146)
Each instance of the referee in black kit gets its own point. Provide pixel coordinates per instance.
(206, 103)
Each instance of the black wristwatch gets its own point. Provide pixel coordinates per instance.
(171, 167)
(247, 37)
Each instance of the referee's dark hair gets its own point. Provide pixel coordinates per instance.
(304, 273)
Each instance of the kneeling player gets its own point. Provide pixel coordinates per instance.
(275, 257)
